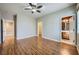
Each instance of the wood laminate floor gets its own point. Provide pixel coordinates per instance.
(36, 46)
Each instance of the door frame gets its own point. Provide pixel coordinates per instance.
(15, 28)
(1, 31)
(74, 18)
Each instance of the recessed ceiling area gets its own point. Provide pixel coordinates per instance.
(46, 9)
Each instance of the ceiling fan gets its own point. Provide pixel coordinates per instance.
(34, 7)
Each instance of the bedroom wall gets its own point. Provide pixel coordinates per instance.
(52, 23)
(26, 25)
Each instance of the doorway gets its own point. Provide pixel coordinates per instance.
(39, 32)
(68, 30)
(7, 31)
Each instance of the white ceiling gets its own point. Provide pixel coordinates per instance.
(46, 9)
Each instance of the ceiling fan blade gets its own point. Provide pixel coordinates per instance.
(32, 5)
(27, 9)
(40, 6)
(38, 11)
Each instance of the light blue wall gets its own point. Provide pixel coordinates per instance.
(52, 23)
(26, 26)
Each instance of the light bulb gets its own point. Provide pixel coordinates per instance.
(34, 10)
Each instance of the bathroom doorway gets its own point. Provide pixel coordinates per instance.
(68, 30)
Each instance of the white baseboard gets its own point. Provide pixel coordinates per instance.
(50, 39)
(25, 37)
(68, 42)
(77, 49)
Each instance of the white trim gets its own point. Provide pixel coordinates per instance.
(25, 37)
(56, 40)
(68, 43)
(77, 48)
(71, 43)
(51, 39)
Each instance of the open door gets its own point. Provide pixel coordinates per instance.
(72, 30)
(7, 31)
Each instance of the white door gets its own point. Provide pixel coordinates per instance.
(72, 30)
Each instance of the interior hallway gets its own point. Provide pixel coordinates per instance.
(36, 46)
